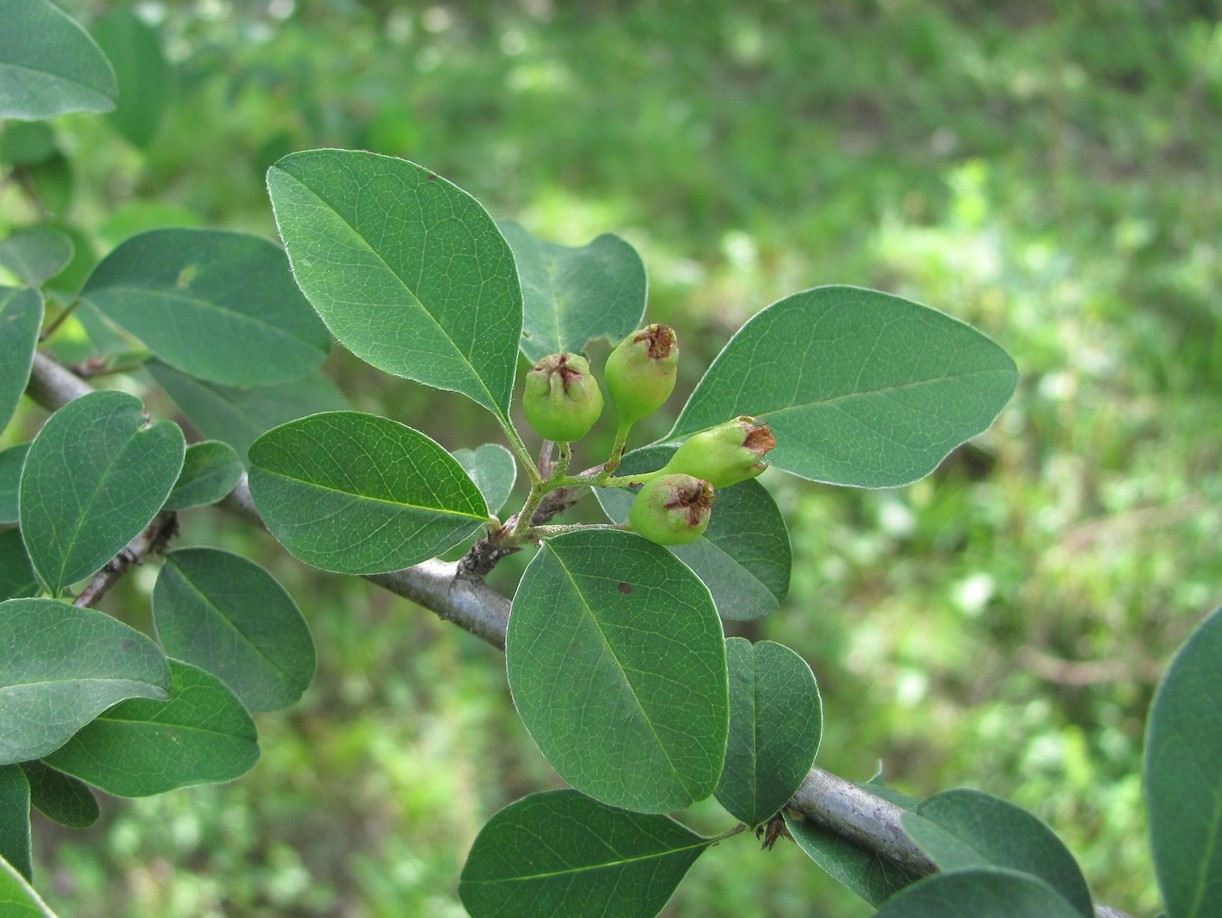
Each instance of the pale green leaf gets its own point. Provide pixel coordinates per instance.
(36, 254)
(17, 897)
(143, 74)
(493, 469)
(209, 471)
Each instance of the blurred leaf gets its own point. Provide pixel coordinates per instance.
(229, 616)
(861, 388)
(743, 558)
(49, 65)
(965, 828)
(572, 295)
(209, 472)
(360, 494)
(617, 664)
(61, 666)
(201, 735)
(16, 573)
(982, 892)
(217, 305)
(859, 869)
(11, 461)
(17, 897)
(408, 271)
(1183, 775)
(239, 416)
(143, 76)
(49, 184)
(776, 722)
(493, 469)
(20, 321)
(15, 819)
(59, 797)
(25, 143)
(36, 254)
(561, 853)
(93, 479)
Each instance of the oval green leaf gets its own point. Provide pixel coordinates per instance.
(49, 65)
(15, 819)
(860, 388)
(11, 461)
(617, 666)
(561, 853)
(209, 471)
(493, 469)
(572, 295)
(218, 305)
(20, 321)
(94, 477)
(36, 254)
(17, 897)
(1183, 776)
(60, 667)
(859, 869)
(61, 798)
(16, 573)
(776, 722)
(141, 70)
(408, 271)
(201, 735)
(229, 616)
(982, 892)
(744, 557)
(359, 494)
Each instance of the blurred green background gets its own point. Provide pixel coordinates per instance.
(1048, 171)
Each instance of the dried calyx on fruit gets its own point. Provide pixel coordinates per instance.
(640, 373)
(672, 509)
(562, 399)
(725, 454)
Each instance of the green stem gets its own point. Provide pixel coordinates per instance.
(60, 319)
(520, 450)
(617, 451)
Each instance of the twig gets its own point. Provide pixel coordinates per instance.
(151, 540)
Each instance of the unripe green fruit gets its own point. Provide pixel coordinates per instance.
(725, 454)
(562, 399)
(640, 372)
(672, 509)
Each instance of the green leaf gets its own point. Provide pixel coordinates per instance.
(561, 853)
(201, 735)
(60, 667)
(17, 897)
(776, 722)
(966, 828)
(617, 665)
(493, 469)
(1183, 775)
(209, 471)
(49, 65)
(239, 416)
(143, 75)
(408, 271)
(360, 494)
(857, 868)
(61, 798)
(861, 388)
(11, 461)
(982, 892)
(36, 254)
(217, 305)
(15, 819)
(27, 143)
(572, 295)
(743, 558)
(16, 574)
(93, 479)
(230, 617)
(20, 321)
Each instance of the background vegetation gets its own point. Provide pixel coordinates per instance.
(1046, 171)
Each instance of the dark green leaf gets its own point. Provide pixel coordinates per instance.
(16, 573)
(982, 892)
(408, 271)
(493, 470)
(59, 797)
(861, 388)
(965, 828)
(17, 897)
(1183, 776)
(561, 853)
(776, 722)
(93, 479)
(859, 869)
(11, 461)
(15, 819)
(20, 321)
(27, 143)
(217, 305)
(617, 665)
(572, 295)
(360, 494)
(239, 416)
(49, 65)
(143, 75)
(60, 667)
(231, 617)
(209, 472)
(201, 735)
(36, 254)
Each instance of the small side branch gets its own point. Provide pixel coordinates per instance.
(152, 540)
